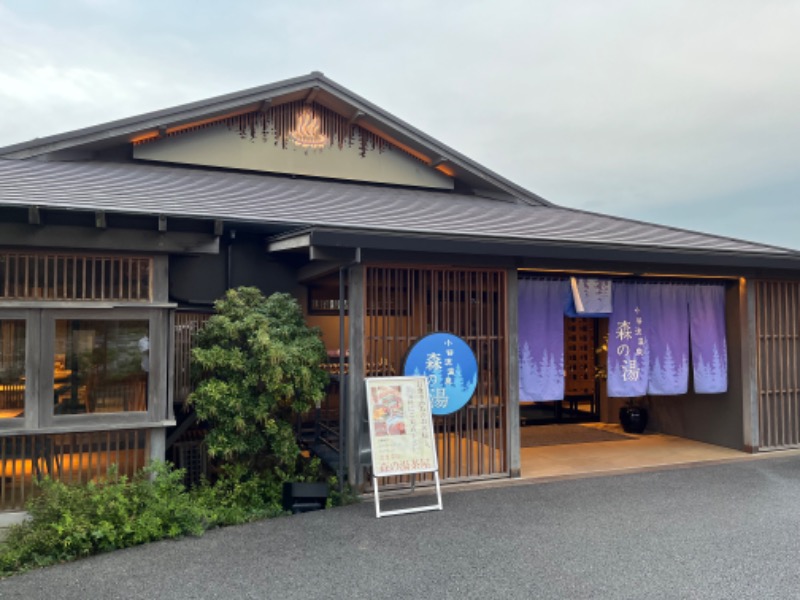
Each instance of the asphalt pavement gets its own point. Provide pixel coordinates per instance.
(723, 531)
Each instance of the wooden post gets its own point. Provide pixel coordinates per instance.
(512, 340)
(356, 394)
(749, 365)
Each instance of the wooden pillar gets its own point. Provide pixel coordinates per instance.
(156, 445)
(356, 394)
(749, 365)
(512, 340)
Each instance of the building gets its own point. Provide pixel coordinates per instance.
(117, 238)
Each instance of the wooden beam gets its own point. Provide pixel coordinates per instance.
(314, 271)
(34, 215)
(265, 105)
(162, 223)
(356, 116)
(312, 95)
(100, 220)
(84, 238)
(219, 227)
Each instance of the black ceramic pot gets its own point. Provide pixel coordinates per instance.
(633, 418)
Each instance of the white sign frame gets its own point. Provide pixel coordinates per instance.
(400, 422)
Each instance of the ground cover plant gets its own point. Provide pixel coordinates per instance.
(69, 521)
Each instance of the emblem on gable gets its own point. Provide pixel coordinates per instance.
(307, 132)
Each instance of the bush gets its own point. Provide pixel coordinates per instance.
(257, 365)
(70, 521)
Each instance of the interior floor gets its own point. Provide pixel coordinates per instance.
(628, 452)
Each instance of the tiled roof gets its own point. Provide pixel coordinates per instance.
(294, 202)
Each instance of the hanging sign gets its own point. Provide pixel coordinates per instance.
(449, 366)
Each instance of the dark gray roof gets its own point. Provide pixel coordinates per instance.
(293, 202)
(325, 91)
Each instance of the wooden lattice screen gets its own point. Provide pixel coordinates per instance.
(187, 324)
(778, 333)
(579, 356)
(404, 304)
(69, 457)
(34, 276)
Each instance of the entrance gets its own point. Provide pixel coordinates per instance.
(584, 368)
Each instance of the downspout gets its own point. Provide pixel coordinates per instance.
(229, 260)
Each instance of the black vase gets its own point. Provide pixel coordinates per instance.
(633, 419)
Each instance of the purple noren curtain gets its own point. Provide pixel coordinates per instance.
(541, 340)
(709, 346)
(668, 339)
(628, 355)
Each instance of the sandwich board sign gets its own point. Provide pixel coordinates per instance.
(401, 434)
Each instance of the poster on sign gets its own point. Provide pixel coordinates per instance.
(400, 426)
(401, 433)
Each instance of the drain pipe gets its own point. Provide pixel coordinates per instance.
(229, 260)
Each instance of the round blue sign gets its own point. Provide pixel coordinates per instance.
(449, 365)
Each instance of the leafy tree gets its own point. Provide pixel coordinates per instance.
(257, 364)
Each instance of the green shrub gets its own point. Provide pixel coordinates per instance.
(240, 496)
(257, 365)
(70, 521)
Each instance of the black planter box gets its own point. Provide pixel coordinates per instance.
(304, 497)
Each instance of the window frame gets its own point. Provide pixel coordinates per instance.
(29, 419)
(40, 330)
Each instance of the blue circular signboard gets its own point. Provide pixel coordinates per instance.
(449, 365)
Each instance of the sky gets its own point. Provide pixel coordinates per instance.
(683, 113)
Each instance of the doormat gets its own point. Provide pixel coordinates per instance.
(555, 435)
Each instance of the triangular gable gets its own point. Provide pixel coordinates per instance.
(293, 138)
(113, 140)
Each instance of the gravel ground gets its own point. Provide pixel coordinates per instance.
(723, 531)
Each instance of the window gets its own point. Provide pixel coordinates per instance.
(82, 342)
(100, 366)
(12, 368)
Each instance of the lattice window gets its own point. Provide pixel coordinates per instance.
(30, 276)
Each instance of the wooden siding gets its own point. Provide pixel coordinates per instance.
(778, 360)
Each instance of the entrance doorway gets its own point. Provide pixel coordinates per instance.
(584, 369)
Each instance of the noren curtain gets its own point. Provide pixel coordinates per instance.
(541, 340)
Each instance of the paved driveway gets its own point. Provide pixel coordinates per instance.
(725, 531)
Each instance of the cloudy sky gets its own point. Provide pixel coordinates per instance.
(684, 113)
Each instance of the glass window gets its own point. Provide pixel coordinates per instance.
(100, 366)
(12, 368)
